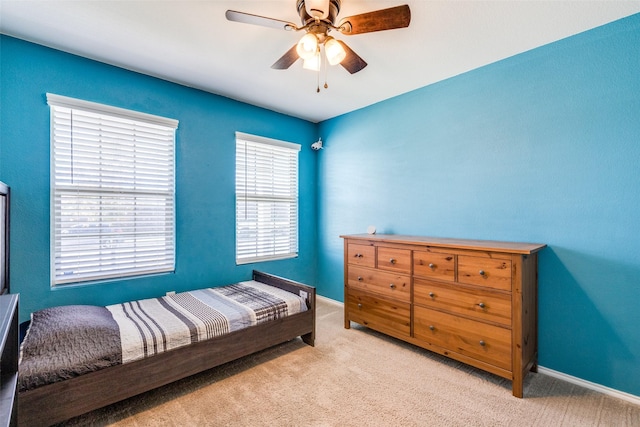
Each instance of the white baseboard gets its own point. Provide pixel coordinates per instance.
(592, 386)
(546, 371)
(329, 300)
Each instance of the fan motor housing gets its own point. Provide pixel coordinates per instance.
(334, 9)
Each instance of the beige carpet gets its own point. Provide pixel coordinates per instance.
(358, 377)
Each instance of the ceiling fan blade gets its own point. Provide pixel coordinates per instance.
(352, 62)
(247, 18)
(287, 59)
(379, 20)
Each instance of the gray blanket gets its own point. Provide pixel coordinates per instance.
(76, 339)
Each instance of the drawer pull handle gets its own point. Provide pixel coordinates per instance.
(481, 305)
(482, 343)
(392, 286)
(432, 265)
(359, 278)
(482, 273)
(433, 328)
(358, 255)
(359, 305)
(392, 261)
(432, 295)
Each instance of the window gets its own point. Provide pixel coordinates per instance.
(266, 199)
(112, 183)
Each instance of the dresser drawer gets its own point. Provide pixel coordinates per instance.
(388, 284)
(394, 259)
(391, 317)
(488, 272)
(480, 304)
(434, 265)
(488, 343)
(361, 255)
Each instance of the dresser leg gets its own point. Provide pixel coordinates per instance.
(347, 322)
(517, 386)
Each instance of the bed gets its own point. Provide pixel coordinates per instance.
(155, 360)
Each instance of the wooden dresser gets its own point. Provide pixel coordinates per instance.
(471, 300)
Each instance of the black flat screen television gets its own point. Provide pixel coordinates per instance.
(4, 238)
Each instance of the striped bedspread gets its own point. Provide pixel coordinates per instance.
(153, 326)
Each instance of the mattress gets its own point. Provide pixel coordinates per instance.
(68, 341)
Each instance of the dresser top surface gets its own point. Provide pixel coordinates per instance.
(443, 242)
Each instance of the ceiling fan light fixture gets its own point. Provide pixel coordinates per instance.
(312, 63)
(319, 9)
(334, 51)
(307, 47)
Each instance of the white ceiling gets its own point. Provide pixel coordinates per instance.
(191, 43)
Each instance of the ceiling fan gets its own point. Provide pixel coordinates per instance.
(318, 20)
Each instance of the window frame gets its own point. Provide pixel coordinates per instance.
(263, 252)
(128, 195)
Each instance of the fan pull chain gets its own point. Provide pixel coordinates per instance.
(325, 64)
(320, 61)
(326, 71)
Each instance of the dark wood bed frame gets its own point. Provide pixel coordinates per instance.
(60, 401)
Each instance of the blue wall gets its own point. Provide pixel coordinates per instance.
(205, 174)
(541, 147)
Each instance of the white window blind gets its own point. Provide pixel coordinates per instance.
(266, 199)
(112, 175)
